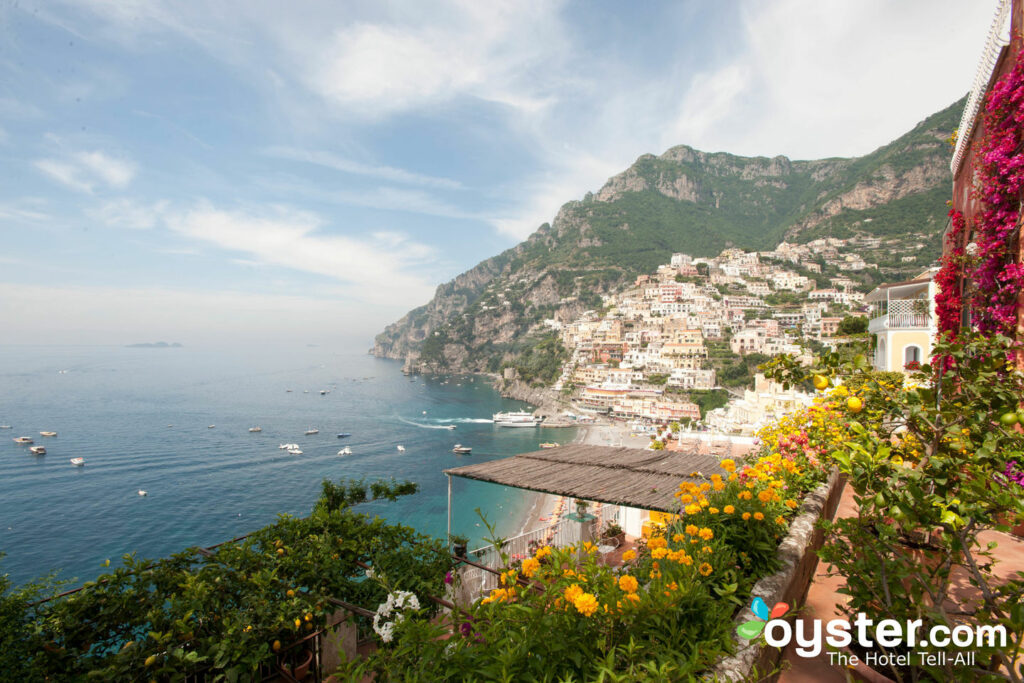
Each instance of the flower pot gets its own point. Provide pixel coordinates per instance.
(459, 550)
(301, 670)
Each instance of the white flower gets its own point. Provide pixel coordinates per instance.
(370, 574)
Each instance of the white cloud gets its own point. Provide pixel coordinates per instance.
(380, 269)
(23, 210)
(338, 163)
(84, 171)
(128, 213)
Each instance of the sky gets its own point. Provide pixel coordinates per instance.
(269, 172)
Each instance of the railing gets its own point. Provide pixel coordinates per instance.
(476, 582)
(902, 314)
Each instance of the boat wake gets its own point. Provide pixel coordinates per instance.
(467, 420)
(445, 423)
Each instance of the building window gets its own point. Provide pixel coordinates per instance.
(880, 361)
(912, 356)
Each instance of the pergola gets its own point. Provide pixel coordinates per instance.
(631, 477)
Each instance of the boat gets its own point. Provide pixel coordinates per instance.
(516, 419)
(142, 493)
(211, 426)
(37, 450)
(5, 426)
(450, 427)
(550, 445)
(345, 451)
(323, 392)
(310, 432)
(459, 448)
(288, 446)
(256, 429)
(47, 433)
(77, 462)
(294, 451)
(342, 435)
(401, 448)
(23, 439)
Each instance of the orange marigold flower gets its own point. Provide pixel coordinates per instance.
(692, 509)
(586, 604)
(629, 555)
(707, 534)
(659, 553)
(759, 516)
(713, 511)
(728, 509)
(705, 569)
(530, 566)
(572, 592)
(746, 516)
(628, 583)
(657, 542)
(678, 538)
(692, 529)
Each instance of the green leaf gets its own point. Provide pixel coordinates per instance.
(749, 630)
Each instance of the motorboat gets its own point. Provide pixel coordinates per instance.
(450, 427)
(78, 462)
(323, 392)
(211, 426)
(256, 429)
(23, 439)
(37, 450)
(464, 450)
(294, 451)
(401, 448)
(550, 445)
(47, 433)
(310, 432)
(142, 493)
(5, 426)
(345, 451)
(288, 446)
(342, 435)
(516, 419)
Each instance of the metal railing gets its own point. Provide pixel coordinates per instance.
(477, 581)
(903, 314)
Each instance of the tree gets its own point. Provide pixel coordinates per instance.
(852, 325)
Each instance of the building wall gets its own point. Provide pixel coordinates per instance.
(895, 345)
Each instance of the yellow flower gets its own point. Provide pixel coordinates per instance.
(634, 597)
(586, 603)
(706, 549)
(706, 534)
(692, 509)
(543, 552)
(729, 465)
(728, 509)
(678, 538)
(629, 555)
(713, 511)
(628, 583)
(705, 569)
(686, 499)
(780, 520)
(759, 516)
(746, 516)
(791, 504)
(530, 566)
(659, 553)
(657, 542)
(572, 592)
(692, 529)
(764, 496)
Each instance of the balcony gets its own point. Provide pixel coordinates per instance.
(901, 314)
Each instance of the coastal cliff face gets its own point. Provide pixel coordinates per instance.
(493, 315)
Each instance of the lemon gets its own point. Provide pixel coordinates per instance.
(820, 382)
(854, 404)
(1009, 419)
(276, 647)
(280, 551)
(290, 593)
(298, 622)
(151, 660)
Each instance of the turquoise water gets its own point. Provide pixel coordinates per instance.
(140, 418)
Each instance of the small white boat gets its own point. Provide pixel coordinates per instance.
(401, 448)
(47, 433)
(305, 391)
(294, 451)
(255, 429)
(142, 493)
(78, 462)
(345, 451)
(310, 432)
(23, 439)
(323, 392)
(37, 450)
(424, 412)
(450, 427)
(5, 426)
(462, 450)
(211, 426)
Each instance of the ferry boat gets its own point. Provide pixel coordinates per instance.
(78, 462)
(516, 419)
(463, 450)
(37, 450)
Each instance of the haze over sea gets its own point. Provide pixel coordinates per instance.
(140, 417)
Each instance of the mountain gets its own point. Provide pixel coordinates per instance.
(688, 201)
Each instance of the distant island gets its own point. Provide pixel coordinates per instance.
(155, 345)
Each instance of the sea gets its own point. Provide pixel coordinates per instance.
(174, 422)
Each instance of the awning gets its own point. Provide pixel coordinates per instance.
(617, 476)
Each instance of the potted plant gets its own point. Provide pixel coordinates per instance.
(614, 532)
(298, 663)
(459, 544)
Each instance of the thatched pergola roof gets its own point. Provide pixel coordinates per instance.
(617, 476)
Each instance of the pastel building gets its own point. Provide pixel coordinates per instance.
(903, 322)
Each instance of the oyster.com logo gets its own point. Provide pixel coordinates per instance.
(749, 630)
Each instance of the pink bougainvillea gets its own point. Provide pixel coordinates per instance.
(947, 280)
(992, 267)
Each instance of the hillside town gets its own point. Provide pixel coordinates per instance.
(654, 352)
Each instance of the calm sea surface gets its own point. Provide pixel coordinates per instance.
(141, 417)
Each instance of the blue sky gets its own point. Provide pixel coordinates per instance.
(218, 172)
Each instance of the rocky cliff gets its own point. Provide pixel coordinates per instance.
(494, 314)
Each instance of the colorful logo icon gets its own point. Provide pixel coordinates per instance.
(749, 630)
